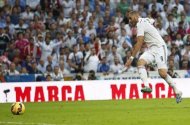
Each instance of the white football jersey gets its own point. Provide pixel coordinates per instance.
(146, 28)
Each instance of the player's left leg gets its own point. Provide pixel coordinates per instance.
(161, 60)
(169, 80)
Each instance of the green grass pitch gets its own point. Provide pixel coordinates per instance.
(118, 112)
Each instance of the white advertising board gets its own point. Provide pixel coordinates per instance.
(88, 90)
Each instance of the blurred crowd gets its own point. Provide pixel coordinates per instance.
(60, 37)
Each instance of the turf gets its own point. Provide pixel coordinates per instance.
(123, 112)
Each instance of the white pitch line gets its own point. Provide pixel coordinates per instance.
(21, 123)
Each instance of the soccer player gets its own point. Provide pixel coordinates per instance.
(157, 51)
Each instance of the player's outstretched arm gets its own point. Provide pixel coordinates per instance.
(137, 47)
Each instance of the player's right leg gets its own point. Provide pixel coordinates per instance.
(145, 59)
(143, 75)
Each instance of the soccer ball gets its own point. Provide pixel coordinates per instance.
(17, 108)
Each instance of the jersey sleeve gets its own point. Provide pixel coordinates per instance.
(140, 29)
(152, 21)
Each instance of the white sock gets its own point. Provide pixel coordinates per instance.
(171, 83)
(143, 75)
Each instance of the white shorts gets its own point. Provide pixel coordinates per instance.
(156, 55)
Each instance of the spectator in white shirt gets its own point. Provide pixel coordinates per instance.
(63, 69)
(90, 30)
(60, 56)
(114, 55)
(68, 5)
(62, 20)
(59, 37)
(49, 70)
(27, 15)
(115, 25)
(39, 38)
(171, 23)
(56, 75)
(161, 30)
(186, 50)
(174, 55)
(135, 5)
(116, 66)
(41, 66)
(79, 6)
(75, 60)
(122, 36)
(159, 6)
(169, 3)
(91, 61)
(121, 50)
(47, 47)
(164, 13)
(50, 61)
(87, 48)
(12, 70)
(32, 3)
(180, 7)
(103, 51)
(183, 18)
(85, 17)
(111, 39)
(98, 11)
(179, 42)
(119, 17)
(69, 39)
(21, 26)
(10, 25)
(127, 29)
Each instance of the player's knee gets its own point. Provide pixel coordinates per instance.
(141, 62)
(163, 74)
